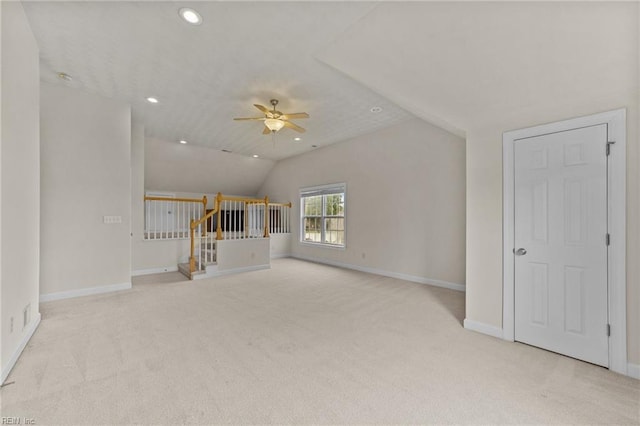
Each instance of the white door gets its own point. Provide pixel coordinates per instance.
(561, 243)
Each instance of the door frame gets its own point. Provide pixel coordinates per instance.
(616, 224)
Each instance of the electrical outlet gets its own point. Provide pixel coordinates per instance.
(109, 220)
(11, 325)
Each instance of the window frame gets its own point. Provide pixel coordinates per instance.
(323, 190)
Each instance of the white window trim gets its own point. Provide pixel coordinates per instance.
(343, 187)
(617, 306)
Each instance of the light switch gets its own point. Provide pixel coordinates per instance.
(112, 219)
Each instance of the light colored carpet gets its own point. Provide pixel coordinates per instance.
(300, 343)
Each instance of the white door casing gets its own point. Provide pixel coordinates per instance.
(560, 218)
(614, 122)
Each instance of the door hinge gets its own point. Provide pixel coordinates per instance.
(609, 147)
(608, 329)
(608, 239)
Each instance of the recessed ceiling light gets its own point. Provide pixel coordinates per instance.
(190, 15)
(255, 155)
(376, 109)
(297, 139)
(314, 146)
(64, 76)
(152, 100)
(183, 142)
(227, 151)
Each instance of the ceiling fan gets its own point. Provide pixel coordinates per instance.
(275, 120)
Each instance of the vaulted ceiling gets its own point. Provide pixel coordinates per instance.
(459, 65)
(203, 76)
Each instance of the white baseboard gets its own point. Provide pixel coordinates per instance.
(400, 276)
(218, 273)
(139, 272)
(84, 292)
(14, 358)
(633, 370)
(483, 328)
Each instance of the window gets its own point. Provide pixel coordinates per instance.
(323, 215)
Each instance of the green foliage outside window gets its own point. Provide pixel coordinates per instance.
(323, 219)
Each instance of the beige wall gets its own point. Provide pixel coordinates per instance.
(20, 180)
(280, 245)
(484, 221)
(242, 254)
(86, 158)
(169, 167)
(405, 200)
(488, 67)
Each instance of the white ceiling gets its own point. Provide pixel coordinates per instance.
(243, 53)
(471, 65)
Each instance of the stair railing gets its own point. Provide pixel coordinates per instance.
(167, 218)
(279, 218)
(206, 254)
(235, 218)
(242, 218)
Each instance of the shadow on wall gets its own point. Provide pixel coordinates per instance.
(451, 300)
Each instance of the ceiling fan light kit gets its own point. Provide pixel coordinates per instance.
(274, 124)
(275, 120)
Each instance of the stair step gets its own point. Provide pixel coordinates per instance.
(185, 270)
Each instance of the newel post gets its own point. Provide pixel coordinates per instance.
(219, 207)
(266, 216)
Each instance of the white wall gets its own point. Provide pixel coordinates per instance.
(243, 254)
(405, 200)
(280, 245)
(193, 168)
(20, 182)
(487, 68)
(86, 158)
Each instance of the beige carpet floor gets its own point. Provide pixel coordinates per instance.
(300, 343)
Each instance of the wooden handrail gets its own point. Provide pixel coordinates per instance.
(216, 209)
(193, 225)
(244, 200)
(182, 200)
(280, 204)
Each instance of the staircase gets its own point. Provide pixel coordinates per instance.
(231, 219)
(205, 262)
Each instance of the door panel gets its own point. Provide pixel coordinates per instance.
(561, 222)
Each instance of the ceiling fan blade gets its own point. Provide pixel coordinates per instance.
(249, 118)
(296, 115)
(294, 127)
(266, 131)
(261, 108)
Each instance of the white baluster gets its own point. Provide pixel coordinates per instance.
(146, 222)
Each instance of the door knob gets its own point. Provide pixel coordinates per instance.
(520, 252)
